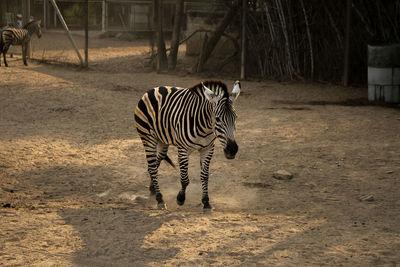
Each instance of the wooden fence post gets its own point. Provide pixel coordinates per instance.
(86, 33)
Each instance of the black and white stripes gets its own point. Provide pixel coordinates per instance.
(189, 119)
(12, 36)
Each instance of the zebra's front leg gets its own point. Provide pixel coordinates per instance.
(183, 158)
(205, 158)
(24, 50)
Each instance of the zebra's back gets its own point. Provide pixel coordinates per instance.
(174, 115)
(14, 36)
(155, 105)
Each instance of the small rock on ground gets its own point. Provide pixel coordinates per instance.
(282, 175)
(368, 198)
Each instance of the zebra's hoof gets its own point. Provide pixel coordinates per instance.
(207, 211)
(180, 199)
(162, 206)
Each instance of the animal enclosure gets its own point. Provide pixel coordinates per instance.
(74, 182)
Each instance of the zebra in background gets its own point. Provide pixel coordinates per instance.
(12, 36)
(189, 119)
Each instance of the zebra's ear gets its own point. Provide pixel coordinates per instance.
(209, 94)
(235, 91)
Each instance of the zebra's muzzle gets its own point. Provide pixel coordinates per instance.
(231, 149)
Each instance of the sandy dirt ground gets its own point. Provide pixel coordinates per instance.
(74, 186)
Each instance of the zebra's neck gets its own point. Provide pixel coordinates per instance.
(207, 113)
(206, 107)
(31, 30)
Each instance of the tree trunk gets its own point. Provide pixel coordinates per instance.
(162, 63)
(172, 57)
(202, 53)
(213, 40)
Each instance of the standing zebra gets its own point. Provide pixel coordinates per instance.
(189, 119)
(12, 36)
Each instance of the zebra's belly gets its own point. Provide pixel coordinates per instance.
(188, 142)
(196, 143)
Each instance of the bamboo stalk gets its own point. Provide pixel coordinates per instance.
(270, 25)
(285, 34)
(309, 39)
(243, 52)
(333, 24)
(363, 20)
(347, 45)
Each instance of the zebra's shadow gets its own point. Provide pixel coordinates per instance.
(116, 237)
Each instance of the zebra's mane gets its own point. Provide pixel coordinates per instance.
(30, 23)
(213, 85)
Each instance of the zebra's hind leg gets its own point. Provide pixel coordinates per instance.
(150, 146)
(162, 150)
(183, 166)
(205, 158)
(5, 50)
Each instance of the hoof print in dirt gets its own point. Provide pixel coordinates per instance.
(207, 211)
(162, 206)
(7, 205)
(140, 199)
(282, 175)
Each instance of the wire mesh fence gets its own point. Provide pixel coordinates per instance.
(118, 29)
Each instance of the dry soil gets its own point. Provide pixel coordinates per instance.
(73, 181)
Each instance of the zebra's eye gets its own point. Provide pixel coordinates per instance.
(217, 119)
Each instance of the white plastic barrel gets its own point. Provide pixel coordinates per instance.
(384, 73)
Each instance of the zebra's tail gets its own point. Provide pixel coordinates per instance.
(167, 159)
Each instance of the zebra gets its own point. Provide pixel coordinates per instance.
(12, 36)
(190, 119)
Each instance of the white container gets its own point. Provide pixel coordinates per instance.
(384, 73)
